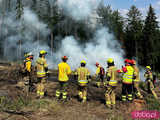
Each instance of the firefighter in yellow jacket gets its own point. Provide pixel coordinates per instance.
(149, 79)
(83, 75)
(42, 70)
(27, 69)
(111, 75)
(100, 72)
(63, 71)
(127, 81)
(136, 80)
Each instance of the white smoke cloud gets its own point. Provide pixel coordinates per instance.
(78, 9)
(29, 30)
(105, 47)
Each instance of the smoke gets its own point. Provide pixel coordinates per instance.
(20, 34)
(104, 47)
(78, 9)
(32, 34)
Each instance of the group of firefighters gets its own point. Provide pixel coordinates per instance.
(109, 79)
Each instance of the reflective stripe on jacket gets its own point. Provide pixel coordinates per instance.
(64, 70)
(82, 73)
(128, 76)
(41, 64)
(112, 74)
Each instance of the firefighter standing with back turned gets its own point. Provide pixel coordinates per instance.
(63, 71)
(83, 75)
(136, 80)
(28, 70)
(111, 75)
(149, 80)
(127, 80)
(100, 72)
(42, 70)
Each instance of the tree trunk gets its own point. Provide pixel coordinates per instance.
(51, 43)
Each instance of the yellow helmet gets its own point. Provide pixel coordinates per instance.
(83, 61)
(110, 60)
(148, 67)
(28, 54)
(42, 52)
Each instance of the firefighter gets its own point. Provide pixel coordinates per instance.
(42, 71)
(27, 71)
(111, 76)
(149, 80)
(83, 75)
(64, 71)
(100, 72)
(127, 80)
(136, 80)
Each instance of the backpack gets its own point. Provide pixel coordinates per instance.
(102, 71)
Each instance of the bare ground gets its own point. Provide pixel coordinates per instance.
(22, 107)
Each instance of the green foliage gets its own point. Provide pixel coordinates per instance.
(150, 40)
(16, 104)
(152, 103)
(133, 32)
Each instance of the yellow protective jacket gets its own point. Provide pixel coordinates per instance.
(148, 75)
(111, 75)
(98, 70)
(128, 75)
(41, 65)
(64, 70)
(28, 64)
(136, 74)
(82, 73)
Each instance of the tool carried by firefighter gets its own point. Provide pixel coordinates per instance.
(83, 75)
(64, 71)
(111, 84)
(149, 81)
(42, 70)
(100, 73)
(136, 80)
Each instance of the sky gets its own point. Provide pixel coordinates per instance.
(142, 5)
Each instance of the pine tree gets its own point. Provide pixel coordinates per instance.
(150, 39)
(118, 25)
(19, 16)
(133, 32)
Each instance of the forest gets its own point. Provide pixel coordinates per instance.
(138, 35)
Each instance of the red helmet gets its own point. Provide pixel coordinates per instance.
(130, 62)
(64, 57)
(133, 62)
(126, 60)
(97, 63)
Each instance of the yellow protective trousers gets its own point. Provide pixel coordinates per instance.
(41, 87)
(62, 89)
(150, 88)
(82, 91)
(137, 90)
(110, 95)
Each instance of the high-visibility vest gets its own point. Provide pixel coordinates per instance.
(82, 73)
(64, 70)
(128, 76)
(41, 64)
(136, 74)
(112, 74)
